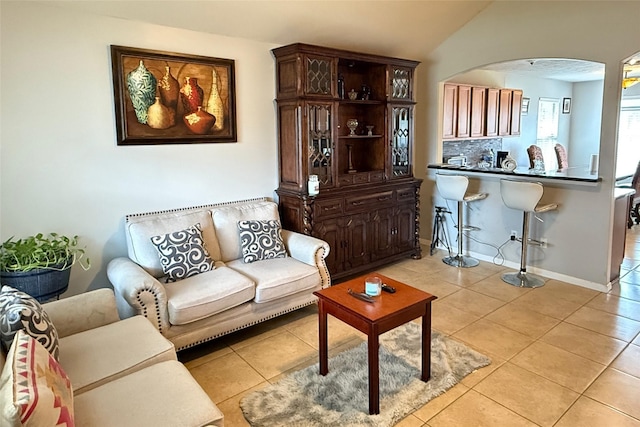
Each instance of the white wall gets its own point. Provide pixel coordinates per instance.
(586, 113)
(605, 32)
(61, 169)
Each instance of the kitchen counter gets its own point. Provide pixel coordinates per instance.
(577, 175)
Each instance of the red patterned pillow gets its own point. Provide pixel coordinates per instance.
(34, 389)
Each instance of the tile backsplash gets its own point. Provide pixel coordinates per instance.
(473, 149)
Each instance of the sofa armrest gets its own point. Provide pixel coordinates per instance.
(82, 312)
(138, 292)
(309, 250)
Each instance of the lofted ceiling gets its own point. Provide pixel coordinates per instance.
(418, 26)
(570, 70)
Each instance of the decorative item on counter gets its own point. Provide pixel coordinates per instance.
(372, 286)
(352, 124)
(370, 130)
(509, 164)
(192, 95)
(214, 105)
(340, 86)
(353, 95)
(200, 122)
(365, 93)
(141, 85)
(159, 116)
(169, 90)
(313, 186)
(500, 157)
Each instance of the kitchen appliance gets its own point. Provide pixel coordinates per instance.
(457, 160)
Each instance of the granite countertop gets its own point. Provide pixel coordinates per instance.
(579, 173)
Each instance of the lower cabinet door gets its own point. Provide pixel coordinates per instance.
(356, 252)
(382, 233)
(405, 228)
(330, 231)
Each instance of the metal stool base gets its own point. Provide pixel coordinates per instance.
(460, 261)
(522, 280)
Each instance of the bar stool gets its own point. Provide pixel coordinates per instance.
(454, 187)
(524, 196)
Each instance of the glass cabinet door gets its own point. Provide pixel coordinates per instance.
(320, 139)
(401, 130)
(401, 84)
(319, 76)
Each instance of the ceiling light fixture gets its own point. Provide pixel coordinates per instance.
(629, 81)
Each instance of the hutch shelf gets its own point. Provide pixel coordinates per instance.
(347, 118)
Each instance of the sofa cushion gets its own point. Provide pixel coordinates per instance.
(21, 311)
(34, 389)
(164, 395)
(100, 355)
(140, 229)
(261, 240)
(206, 294)
(225, 221)
(183, 253)
(280, 277)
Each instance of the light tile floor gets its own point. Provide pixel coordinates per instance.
(561, 355)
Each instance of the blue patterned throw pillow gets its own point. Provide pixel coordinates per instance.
(261, 240)
(19, 310)
(183, 253)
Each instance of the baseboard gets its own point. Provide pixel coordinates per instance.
(539, 271)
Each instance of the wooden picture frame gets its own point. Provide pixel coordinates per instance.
(566, 105)
(171, 98)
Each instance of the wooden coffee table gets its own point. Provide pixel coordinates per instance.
(387, 312)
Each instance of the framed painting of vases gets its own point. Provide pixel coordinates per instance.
(170, 98)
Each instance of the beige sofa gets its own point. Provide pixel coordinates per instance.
(123, 372)
(230, 297)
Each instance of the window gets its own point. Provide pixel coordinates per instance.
(547, 132)
(628, 137)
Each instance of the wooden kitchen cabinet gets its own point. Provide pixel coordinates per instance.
(367, 207)
(477, 120)
(510, 112)
(464, 111)
(493, 98)
(504, 112)
(450, 111)
(477, 112)
(516, 112)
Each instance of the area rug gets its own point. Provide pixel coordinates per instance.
(341, 398)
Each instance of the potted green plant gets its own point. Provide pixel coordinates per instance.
(40, 265)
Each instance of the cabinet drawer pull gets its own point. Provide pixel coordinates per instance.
(357, 203)
(332, 208)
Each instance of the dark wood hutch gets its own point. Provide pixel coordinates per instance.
(347, 118)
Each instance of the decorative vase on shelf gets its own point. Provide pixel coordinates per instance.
(352, 124)
(214, 105)
(169, 90)
(141, 85)
(192, 95)
(370, 130)
(159, 116)
(200, 122)
(340, 86)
